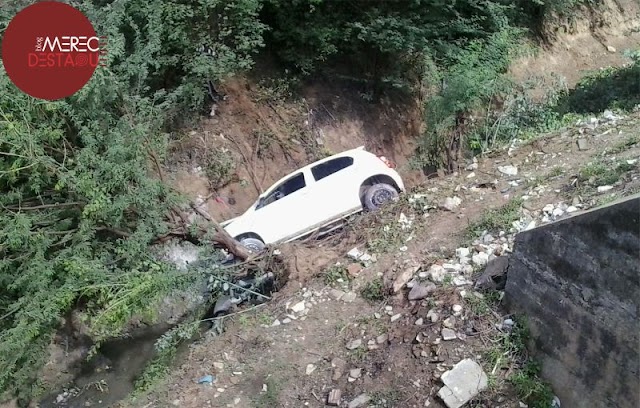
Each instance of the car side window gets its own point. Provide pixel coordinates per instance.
(332, 166)
(290, 186)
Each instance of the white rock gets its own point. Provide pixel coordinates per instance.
(480, 259)
(463, 382)
(310, 368)
(354, 344)
(571, 209)
(432, 315)
(437, 273)
(448, 334)
(360, 401)
(462, 252)
(355, 254)
(276, 323)
(355, 372)
(457, 308)
(557, 212)
(419, 322)
(508, 170)
(396, 317)
(451, 203)
(298, 307)
(471, 175)
(602, 189)
(548, 208)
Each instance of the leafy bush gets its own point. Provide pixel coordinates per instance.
(80, 196)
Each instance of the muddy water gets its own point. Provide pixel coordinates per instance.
(110, 376)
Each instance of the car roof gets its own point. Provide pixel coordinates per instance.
(351, 152)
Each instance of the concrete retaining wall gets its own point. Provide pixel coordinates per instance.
(577, 281)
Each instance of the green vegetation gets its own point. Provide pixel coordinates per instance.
(269, 398)
(510, 353)
(82, 191)
(496, 220)
(336, 274)
(386, 399)
(373, 291)
(601, 173)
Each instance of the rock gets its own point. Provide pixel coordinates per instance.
(218, 366)
(334, 398)
(404, 277)
(360, 401)
(548, 208)
(463, 252)
(355, 373)
(456, 308)
(448, 334)
(449, 323)
(571, 209)
(480, 258)
(396, 317)
(436, 273)
(286, 321)
(611, 48)
(419, 292)
(354, 344)
(463, 382)
(494, 275)
(432, 315)
(557, 212)
(336, 294)
(382, 338)
(355, 254)
(508, 170)
(487, 239)
(471, 175)
(298, 307)
(349, 297)
(602, 189)
(338, 365)
(451, 203)
(310, 368)
(582, 144)
(419, 322)
(354, 269)
(275, 323)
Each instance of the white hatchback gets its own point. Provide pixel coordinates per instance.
(317, 196)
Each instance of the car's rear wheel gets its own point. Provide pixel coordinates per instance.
(254, 245)
(376, 196)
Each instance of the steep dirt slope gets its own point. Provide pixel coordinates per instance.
(280, 356)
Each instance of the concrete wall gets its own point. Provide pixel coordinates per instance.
(577, 281)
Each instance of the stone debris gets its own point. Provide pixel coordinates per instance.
(355, 373)
(448, 334)
(508, 170)
(463, 382)
(334, 398)
(298, 307)
(382, 338)
(451, 203)
(582, 144)
(419, 291)
(310, 369)
(339, 366)
(604, 189)
(396, 317)
(494, 275)
(360, 401)
(354, 344)
(436, 273)
(349, 297)
(404, 277)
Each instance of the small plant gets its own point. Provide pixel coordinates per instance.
(601, 173)
(268, 398)
(496, 220)
(336, 274)
(626, 144)
(219, 167)
(373, 291)
(556, 172)
(386, 399)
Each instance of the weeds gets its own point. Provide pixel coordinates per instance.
(510, 353)
(268, 398)
(601, 173)
(386, 399)
(336, 274)
(219, 167)
(373, 291)
(483, 305)
(626, 144)
(496, 220)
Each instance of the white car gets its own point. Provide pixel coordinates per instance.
(315, 197)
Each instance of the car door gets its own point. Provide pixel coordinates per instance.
(334, 191)
(281, 213)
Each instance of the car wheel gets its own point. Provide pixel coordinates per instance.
(254, 245)
(378, 195)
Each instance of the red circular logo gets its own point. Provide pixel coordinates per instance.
(50, 50)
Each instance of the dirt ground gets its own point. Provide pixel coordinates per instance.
(273, 356)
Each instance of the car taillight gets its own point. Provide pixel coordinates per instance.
(388, 162)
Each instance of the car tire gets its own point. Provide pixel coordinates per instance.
(376, 196)
(254, 245)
